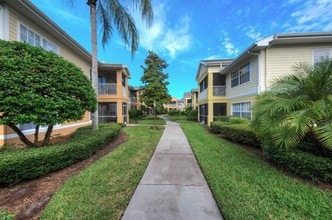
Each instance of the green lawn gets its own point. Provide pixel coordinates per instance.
(245, 187)
(148, 121)
(103, 190)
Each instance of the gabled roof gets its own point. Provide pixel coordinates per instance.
(204, 64)
(280, 39)
(109, 66)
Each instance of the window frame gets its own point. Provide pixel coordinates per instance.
(241, 75)
(242, 109)
(31, 36)
(326, 49)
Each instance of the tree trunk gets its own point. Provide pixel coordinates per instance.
(36, 134)
(23, 138)
(155, 117)
(48, 135)
(94, 68)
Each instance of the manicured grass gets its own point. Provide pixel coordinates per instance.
(103, 190)
(246, 187)
(151, 121)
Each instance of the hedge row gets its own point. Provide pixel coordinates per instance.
(19, 165)
(238, 133)
(305, 164)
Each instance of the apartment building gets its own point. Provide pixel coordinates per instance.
(20, 20)
(113, 93)
(255, 70)
(212, 100)
(135, 98)
(172, 105)
(187, 99)
(194, 98)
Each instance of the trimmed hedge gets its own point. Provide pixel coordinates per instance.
(238, 133)
(304, 164)
(19, 165)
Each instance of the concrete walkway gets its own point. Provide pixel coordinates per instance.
(173, 186)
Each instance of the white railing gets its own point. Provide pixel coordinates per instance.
(219, 90)
(106, 88)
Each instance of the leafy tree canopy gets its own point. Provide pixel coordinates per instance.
(297, 105)
(154, 80)
(40, 87)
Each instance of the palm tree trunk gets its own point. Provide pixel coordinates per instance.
(94, 70)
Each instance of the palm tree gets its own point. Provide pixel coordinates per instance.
(110, 14)
(296, 106)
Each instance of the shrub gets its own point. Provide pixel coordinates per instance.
(304, 164)
(240, 133)
(192, 115)
(216, 126)
(174, 112)
(135, 113)
(238, 120)
(23, 164)
(223, 118)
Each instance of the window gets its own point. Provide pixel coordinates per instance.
(242, 110)
(318, 54)
(31, 37)
(241, 75)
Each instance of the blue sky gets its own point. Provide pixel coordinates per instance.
(187, 31)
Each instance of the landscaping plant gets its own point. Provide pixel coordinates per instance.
(40, 87)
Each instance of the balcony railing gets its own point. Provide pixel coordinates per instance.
(107, 88)
(219, 90)
(133, 99)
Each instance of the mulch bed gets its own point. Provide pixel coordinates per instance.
(28, 199)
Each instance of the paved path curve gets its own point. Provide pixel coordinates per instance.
(173, 186)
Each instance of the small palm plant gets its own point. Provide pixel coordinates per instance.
(297, 106)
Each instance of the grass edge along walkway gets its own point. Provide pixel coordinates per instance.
(246, 187)
(104, 189)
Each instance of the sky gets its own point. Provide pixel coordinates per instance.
(184, 32)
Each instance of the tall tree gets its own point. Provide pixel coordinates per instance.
(112, 14)
(154, 91)
(297, 105)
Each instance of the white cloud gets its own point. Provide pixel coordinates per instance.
(252, 33)
(313, 15)
(231, 50)
(164, 37)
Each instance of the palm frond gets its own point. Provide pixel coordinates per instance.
(105, 21)
(145, 8)
(324, 134)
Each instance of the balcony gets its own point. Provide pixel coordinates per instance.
(202, 95)
(133, 99)
(219, 90)
(106, 88)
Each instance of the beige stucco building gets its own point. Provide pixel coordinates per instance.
(254, 71)
(20, 20)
